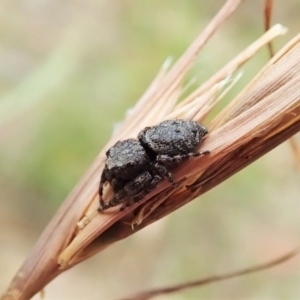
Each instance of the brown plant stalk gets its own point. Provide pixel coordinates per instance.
(262, 117)
(146, 295)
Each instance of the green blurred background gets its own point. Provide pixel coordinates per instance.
(69, 70)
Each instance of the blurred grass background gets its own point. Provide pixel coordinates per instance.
(69, 70)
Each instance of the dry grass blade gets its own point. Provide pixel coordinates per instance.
(238, 61)
(193, 108)
(268, 14)
(213, 279)
(77, 231)
(249, 135)
(274, 76)
(238, 134)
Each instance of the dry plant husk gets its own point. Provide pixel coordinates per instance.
(266, 113)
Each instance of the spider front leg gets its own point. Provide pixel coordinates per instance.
(140, 187)
(133, 191)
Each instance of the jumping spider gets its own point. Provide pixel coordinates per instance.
(135, 167)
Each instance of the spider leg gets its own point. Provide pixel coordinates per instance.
(150, 185)
(133, 191)
(145, 182)
(163, 158)
(163, 171)
(100, 192)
